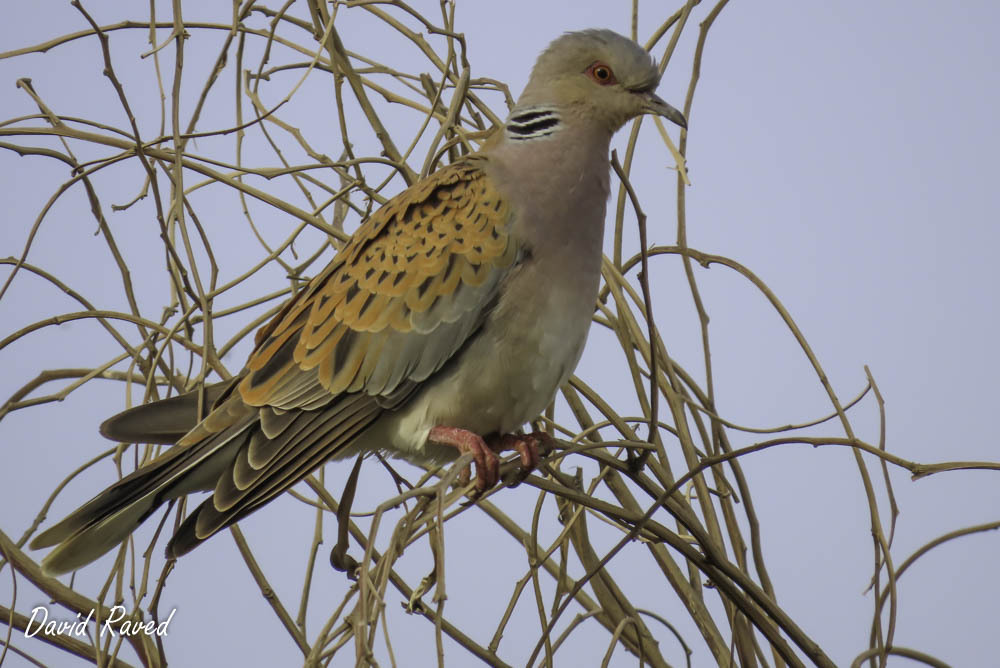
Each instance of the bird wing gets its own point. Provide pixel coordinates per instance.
(399, 300)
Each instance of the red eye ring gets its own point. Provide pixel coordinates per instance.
(601, 74)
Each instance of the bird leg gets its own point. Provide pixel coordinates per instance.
(463, 440)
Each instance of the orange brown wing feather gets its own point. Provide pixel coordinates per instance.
(425, 262)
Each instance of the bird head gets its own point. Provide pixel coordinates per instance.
(599, 75)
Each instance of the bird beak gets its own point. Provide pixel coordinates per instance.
(654, 105)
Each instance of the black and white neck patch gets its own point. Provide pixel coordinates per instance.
(533, 123)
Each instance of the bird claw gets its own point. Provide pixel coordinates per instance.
(529, 447)
(465, 441)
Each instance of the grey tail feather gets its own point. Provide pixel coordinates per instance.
(98, 537)
(108, 518)
(164, 421)
(100, 524)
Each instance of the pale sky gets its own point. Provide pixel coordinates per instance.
(844, 152)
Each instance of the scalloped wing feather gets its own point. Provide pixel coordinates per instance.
(399, 300)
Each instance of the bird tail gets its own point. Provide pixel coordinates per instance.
(103, 522)
(107, 519)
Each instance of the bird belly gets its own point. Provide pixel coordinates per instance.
(505, 376)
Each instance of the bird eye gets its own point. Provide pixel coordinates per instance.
(602, 74)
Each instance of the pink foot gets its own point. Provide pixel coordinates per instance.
(487, 462)
(527, 446)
